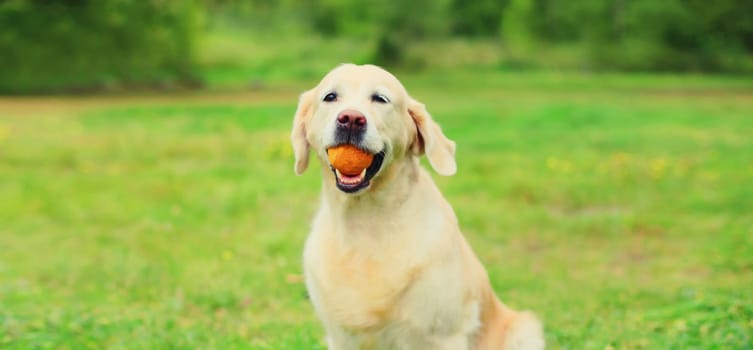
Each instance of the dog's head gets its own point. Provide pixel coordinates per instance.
(367, 107)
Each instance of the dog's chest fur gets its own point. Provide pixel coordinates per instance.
(369, 277)
(358, 292)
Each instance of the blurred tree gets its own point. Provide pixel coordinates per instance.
(476, 18)
(86, 44)
(344, 18)
(516, 28)
(49, 45)
(676, 35)
(403, 23)
(392, 25)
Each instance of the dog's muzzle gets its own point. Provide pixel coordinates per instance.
(355, 183)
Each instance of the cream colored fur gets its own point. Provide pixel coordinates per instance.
(387, 267)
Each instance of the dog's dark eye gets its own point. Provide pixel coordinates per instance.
(330, 97)
(379, 98)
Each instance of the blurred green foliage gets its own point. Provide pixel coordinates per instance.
(669, 35)
(70, 45)
(85, 44)
(638, 35)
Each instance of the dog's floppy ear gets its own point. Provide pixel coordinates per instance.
(431, 141)
(298, 134)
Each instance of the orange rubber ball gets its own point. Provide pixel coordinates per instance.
(349, 159)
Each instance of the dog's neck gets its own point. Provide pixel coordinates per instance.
(390, 204)
(388, 191)
(399, 199)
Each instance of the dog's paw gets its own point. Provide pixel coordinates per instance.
(525, 333)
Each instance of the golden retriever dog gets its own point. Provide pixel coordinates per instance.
(386, 265)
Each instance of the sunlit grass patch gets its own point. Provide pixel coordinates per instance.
(621, 216)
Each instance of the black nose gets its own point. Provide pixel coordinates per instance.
(351, 120)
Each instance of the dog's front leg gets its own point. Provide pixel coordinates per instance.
(339, 339)
(456, 342)
(422, 341)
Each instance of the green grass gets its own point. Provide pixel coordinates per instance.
(618, 207)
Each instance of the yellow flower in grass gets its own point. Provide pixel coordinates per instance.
(278, 147)
(681, 325)
(551, 163)
(227, 255)
(560, 165)
(4, 132)
(657, 168)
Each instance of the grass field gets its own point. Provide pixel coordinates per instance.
(618, 207)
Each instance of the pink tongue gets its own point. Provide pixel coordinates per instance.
(350, 180)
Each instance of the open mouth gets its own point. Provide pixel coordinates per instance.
(353, 183)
